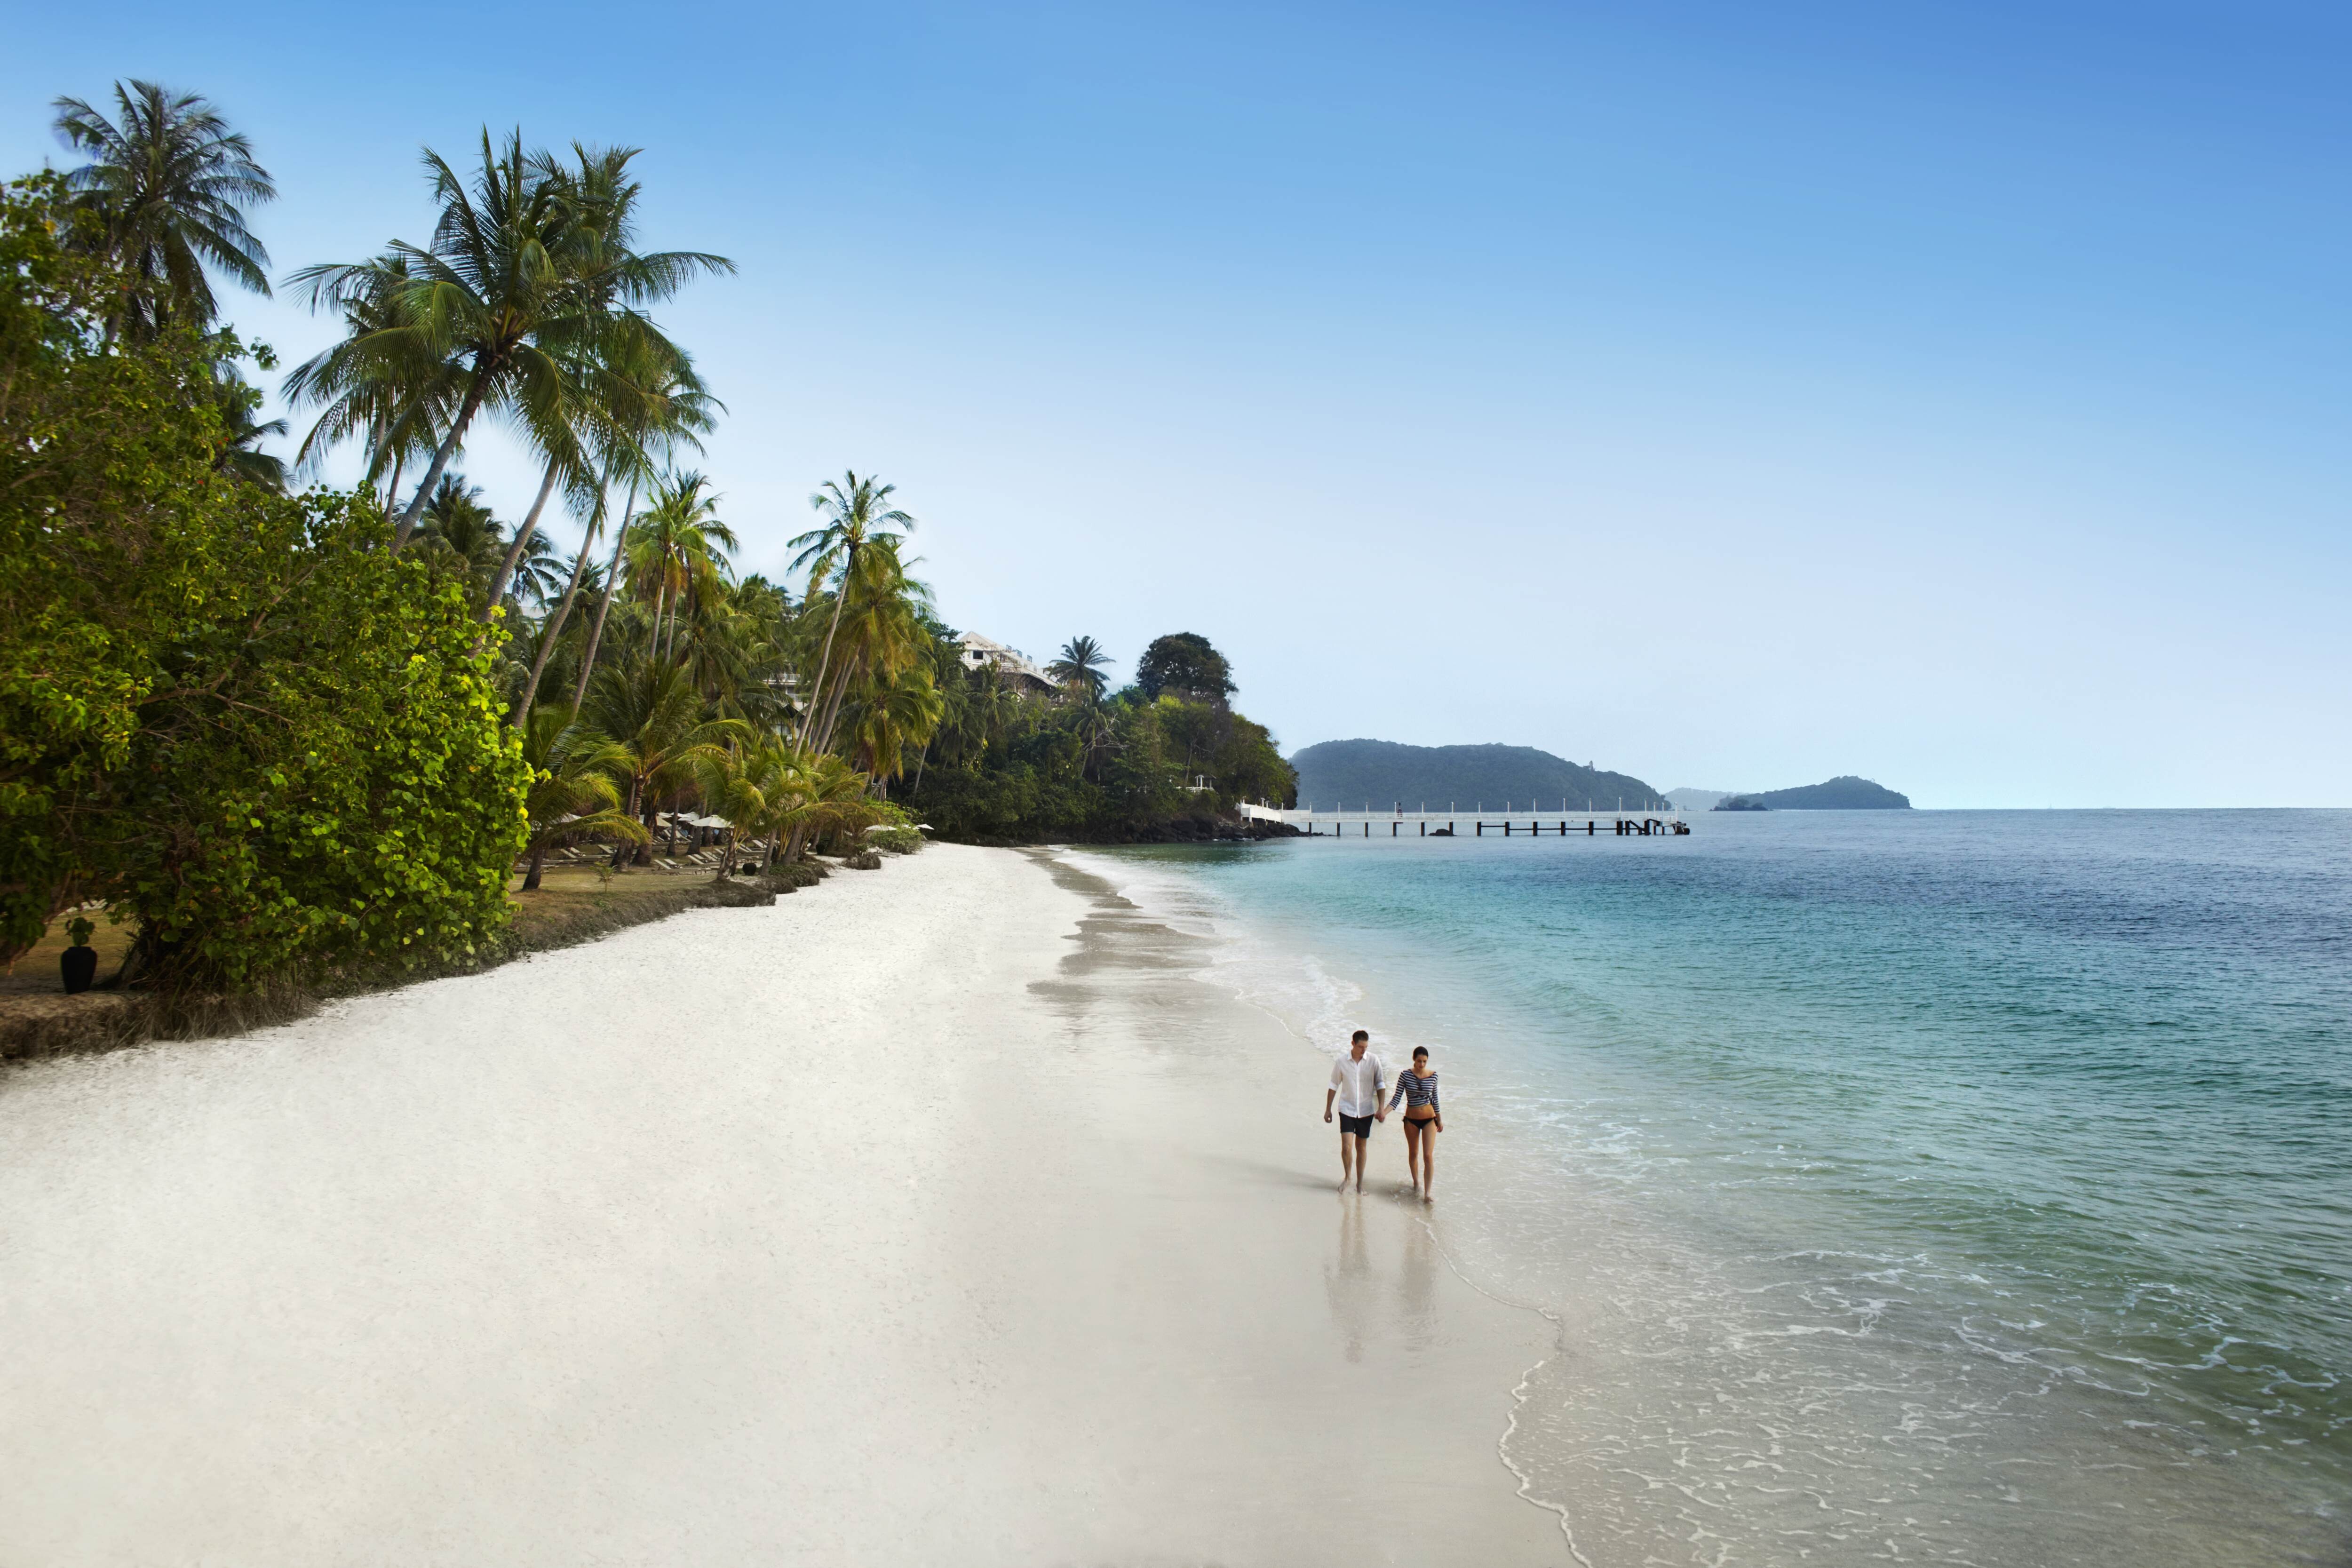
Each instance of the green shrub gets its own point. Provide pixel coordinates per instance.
(229, 712)
(895, 840)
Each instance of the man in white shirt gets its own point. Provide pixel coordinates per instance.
(1358, 1080)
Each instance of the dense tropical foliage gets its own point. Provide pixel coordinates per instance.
(282, 728)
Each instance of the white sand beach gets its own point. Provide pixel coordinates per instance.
(936, 1214)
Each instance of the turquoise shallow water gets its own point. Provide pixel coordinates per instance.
(1969, 1187)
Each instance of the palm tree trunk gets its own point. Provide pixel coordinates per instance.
(605, 603)
(441, 455)
(538, 864)
(726, 862)
(521, 539)
(553, 629)
(840, 597)
(833, 708)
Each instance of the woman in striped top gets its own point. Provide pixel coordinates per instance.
(1417, 1087)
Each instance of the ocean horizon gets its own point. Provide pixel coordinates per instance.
(1945, 1185)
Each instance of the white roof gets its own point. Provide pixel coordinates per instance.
(979, 649)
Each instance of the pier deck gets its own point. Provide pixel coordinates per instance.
(1512, 820)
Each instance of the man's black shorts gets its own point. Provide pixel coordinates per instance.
(1356, 1126)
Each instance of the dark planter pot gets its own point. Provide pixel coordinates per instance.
(80, 965)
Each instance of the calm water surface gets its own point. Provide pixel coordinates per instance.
(1955, 1187)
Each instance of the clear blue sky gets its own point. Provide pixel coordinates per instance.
(1729, 394)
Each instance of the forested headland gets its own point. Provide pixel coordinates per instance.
(1350, 774)
(274, 730)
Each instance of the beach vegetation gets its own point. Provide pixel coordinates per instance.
(279, 730)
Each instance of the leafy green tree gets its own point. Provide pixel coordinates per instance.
(225, 711)
(169, 183)
(1183, 663)
(328, 782)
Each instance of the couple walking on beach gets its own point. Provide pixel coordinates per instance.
(1358, 1081)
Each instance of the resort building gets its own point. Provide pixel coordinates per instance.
(1016, 668)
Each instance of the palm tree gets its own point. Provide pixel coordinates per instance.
(456, 522)
(679, 410)
(573, 798)
(652, 712)
(534, 569)
(681, 552)
(882, 631)
(170, 182)
(241, 433)
(1081, 667)
(514, 305)
(857, 512)
(622, 381)
(375, 399)
(828, 795)
(894, 713)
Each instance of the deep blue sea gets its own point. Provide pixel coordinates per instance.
(1940, 1186)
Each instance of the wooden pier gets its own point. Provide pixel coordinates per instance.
(1340, 823)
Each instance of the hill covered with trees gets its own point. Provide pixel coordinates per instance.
(1385, 773)
(1163, 758)
(1844, 793)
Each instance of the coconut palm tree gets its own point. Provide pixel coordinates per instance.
(516, 304)
(760, 787)
(395, 408)
(828, 796)
(1081, 667)
(681, 552)
(893, 714)
(458, 523)
(652, 712)
(857, 512)
(241, 433)
(170, 183)
(534, 569)
(678, 411)
(878, 618)
(573, 798)
(623, 382)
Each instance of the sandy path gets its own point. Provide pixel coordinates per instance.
(931, 1216)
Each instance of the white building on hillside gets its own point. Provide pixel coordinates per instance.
(1017, 669)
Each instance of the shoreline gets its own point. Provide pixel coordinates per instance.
(948, 1217)
(38, 1020)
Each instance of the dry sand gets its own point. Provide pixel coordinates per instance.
(935, 1215)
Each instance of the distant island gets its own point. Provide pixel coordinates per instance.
(1844, 793)
(1383, 773)
(1688, 799)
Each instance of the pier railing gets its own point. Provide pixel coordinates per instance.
(1514, 819)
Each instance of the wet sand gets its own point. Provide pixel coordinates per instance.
(937, 1215)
